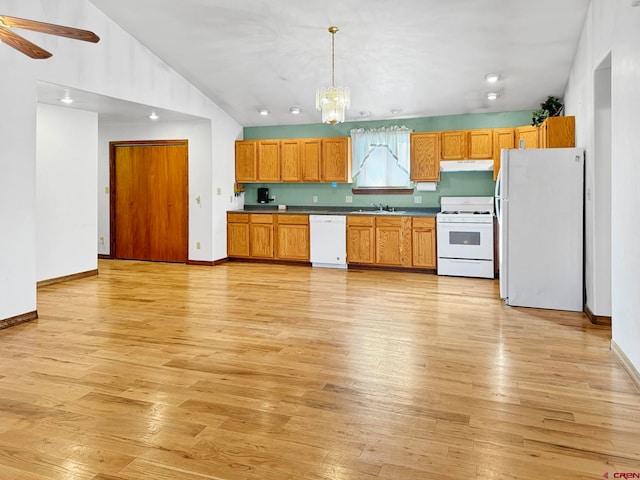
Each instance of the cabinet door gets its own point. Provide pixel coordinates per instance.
(424, 242)
(425, 157)
(558, 132)
(336, 159)
(269, 160)
(290, 161)
(293, 242)
(311, 155)
(453, 145)
(502, 138)
(393, 241)
(480, 144)
(360, 239)
(237, 235)
(246, 161)
(261, 235)
(528, 134)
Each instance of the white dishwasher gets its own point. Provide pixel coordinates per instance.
(328, 240)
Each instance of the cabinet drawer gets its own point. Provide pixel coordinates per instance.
(360, 220)
(389, 221)
(261, 218)
(424, 222)
(238, 217)
(287, 219)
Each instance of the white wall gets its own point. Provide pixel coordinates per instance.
(118, 67)
(613, 26)
(66, 203)
(198, 134)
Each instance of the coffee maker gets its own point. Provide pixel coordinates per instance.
(263, 195)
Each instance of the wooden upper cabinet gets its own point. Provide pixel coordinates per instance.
(246, 161)
(425, 157)
(453, 145)
(558, 132)
(502, 138)
(290, 160)
(310, 159)
(528, 134)
(480, 144)
(336, 159)
(269, 160)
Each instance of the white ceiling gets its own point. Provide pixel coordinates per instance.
(423, 57)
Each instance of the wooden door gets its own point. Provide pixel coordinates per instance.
(425, 157)
(293, 237)
(246, 161)
(361, 242)
(311, 153)
(480, 143)
(149, 201)
(502, 138)
(453, 145)
(269, 160)
(528, 134)
(261, 235)
(336, 159)
(424, 242)
(290, 161)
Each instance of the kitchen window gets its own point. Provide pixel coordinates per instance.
(381, 159)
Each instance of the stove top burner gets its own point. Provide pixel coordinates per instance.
(459, 212)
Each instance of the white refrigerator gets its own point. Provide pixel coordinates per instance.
(540, 210)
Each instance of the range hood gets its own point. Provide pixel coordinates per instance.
(466, 165)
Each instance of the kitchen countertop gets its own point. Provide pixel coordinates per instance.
(308, 210)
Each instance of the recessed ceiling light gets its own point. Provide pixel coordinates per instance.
(154, 116)
(263, 111)
(67, 97)
(294, 110)
(492, 95)
(492, 77)
(396, 111)
(365, 113)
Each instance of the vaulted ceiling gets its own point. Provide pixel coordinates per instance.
(418, 57)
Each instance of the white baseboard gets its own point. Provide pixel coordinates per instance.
(626, 363)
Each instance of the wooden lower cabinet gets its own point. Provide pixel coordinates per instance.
(393, 241)
(423, 235)
(237, 235)
(292, 237)
(360, 239)
(261, 235)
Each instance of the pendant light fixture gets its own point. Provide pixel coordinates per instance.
(333, 101)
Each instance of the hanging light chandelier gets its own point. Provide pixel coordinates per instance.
(333, 101)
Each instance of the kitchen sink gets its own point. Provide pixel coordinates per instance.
(377, 212)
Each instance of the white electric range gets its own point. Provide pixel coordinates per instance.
(465, 237)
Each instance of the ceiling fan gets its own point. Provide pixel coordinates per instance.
(30, 49)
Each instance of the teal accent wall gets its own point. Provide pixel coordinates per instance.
(451, 184)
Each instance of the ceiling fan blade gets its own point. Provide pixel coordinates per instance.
(22, 44)
(50, 28)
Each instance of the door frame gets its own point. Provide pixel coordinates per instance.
(112, 184)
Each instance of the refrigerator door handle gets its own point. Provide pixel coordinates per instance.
(497, 194)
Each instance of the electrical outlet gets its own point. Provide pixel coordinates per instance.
(198, 245)
(102, 240)
(106, 190)
(417, 199)
(218, 191)
(315, 199)
(273, 198)
(348, 199)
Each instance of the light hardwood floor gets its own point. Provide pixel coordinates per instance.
(252, 371)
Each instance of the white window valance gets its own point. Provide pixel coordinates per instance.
(381, 156)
